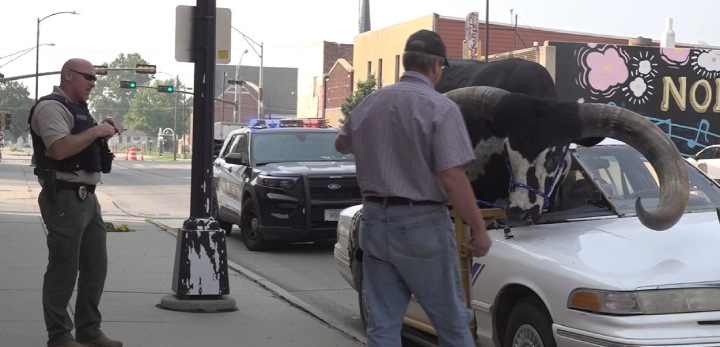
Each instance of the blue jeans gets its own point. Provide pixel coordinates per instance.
(412, 250)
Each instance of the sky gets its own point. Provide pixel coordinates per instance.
(104, 29)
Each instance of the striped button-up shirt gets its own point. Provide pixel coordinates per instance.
(402, 136)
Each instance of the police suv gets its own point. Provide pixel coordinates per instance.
(282, 181)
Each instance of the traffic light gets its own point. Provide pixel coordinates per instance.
(101, 70)
(5, 120)
(146, 69)
(165, 89)
(128, 84)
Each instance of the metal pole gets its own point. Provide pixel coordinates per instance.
(516, 33)
(37, 59)
(261, 106)
(184, 131)
(222, 112)
(325, 89)
(236, 108)
(201, 179)
(175, 137)
(487, 29)
(37, 48)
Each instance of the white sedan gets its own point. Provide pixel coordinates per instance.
(589, 274)
(708, 160)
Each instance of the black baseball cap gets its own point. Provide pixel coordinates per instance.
(426, 41)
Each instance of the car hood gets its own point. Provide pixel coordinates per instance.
(623, 254)
(310, 167)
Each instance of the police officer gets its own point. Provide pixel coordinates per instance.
(71, 152)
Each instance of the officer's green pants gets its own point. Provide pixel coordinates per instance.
(76, 244)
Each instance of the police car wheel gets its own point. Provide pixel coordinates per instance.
(529, 325)
(250, 232)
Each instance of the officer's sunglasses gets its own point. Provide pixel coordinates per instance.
(87, 76)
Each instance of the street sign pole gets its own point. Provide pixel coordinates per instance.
(200, 275)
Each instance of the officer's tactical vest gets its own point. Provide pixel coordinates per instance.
(88, 159)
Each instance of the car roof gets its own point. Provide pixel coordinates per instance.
(283, 130)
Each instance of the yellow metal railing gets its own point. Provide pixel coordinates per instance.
(465, 260)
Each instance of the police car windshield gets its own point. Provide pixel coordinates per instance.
(301, 146)
(623, 175)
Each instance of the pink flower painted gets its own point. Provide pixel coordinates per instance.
(676, 56)
(607, 69)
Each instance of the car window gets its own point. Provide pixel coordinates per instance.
(623, 175)
(707, 153)
(230, 147)
(300, 146)
(241, 147)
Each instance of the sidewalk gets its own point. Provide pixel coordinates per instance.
(139, 276)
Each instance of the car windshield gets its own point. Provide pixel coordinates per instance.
(299, 146)
(606, 178)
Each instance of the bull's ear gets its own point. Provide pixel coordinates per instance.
(589, 141)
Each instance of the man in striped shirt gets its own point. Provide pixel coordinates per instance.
(411, 148)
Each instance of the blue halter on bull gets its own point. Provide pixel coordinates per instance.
(521, 133)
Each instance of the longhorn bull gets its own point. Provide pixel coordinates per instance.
(521, 133)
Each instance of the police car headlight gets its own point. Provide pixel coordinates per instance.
(658, 301)
(277, 182)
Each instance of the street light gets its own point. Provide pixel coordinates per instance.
(260, 54)
(22, 52)
(236, 114)
(37, 48)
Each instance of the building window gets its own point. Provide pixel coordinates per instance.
(397, 68)
(369, 69)
(379, 78)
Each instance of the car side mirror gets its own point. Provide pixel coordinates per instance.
(236, 159)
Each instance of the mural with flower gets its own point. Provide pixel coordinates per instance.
(676, 88)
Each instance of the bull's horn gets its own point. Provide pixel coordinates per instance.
(477, 101)
(601, 120)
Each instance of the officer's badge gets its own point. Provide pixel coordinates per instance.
(82, 193)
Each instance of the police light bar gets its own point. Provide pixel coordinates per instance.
(289, 123)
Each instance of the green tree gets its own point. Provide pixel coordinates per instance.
(364, 88)
(108, 100)
(15, 99)
(151, 110)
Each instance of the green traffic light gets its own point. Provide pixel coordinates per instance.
(132, 84)
(170, 89)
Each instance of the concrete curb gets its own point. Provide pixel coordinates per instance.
(282, 294)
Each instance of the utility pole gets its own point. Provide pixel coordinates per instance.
(222, 112)
(487, 30)
(175, 137)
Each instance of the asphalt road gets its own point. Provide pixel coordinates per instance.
(160, 191)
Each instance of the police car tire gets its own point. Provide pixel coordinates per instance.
(253, 239)
(530, 311)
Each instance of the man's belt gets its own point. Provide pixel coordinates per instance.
(397, 200)
(80, 189)
(65, 185)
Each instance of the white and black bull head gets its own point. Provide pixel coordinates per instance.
(526, 157)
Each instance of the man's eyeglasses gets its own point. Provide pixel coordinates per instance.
(87, 76)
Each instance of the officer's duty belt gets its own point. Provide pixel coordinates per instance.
(65, 185)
